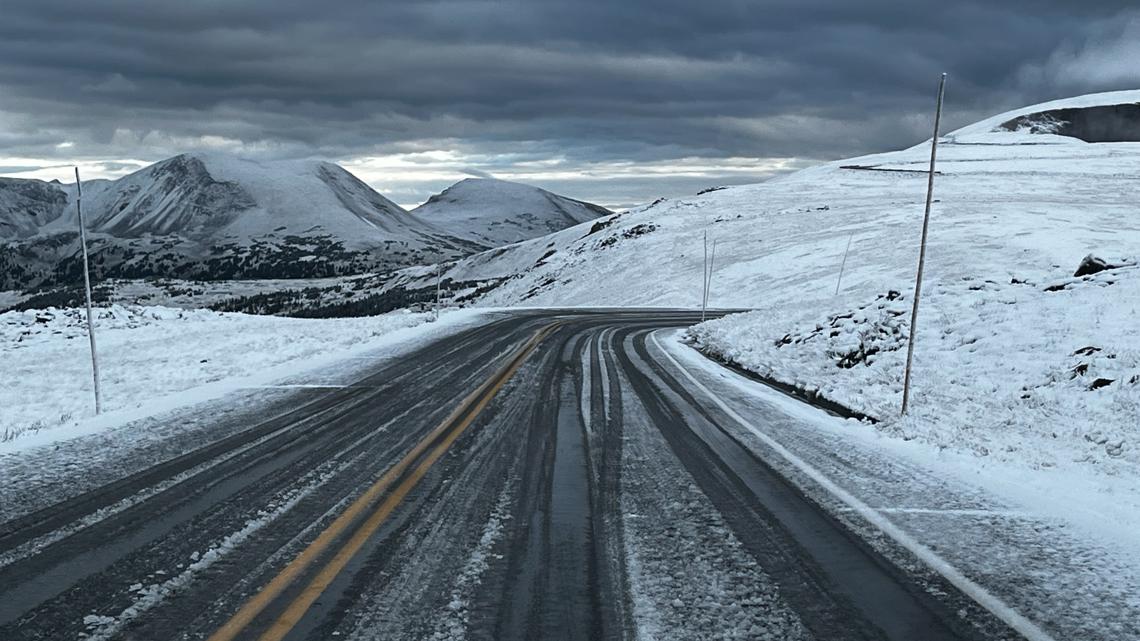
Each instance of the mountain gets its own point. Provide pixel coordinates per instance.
(497, 212)
(211, 216)
(27, 205)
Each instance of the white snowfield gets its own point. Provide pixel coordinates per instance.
(154, 359)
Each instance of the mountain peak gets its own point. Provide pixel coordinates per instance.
(216, 215)
(494, 212)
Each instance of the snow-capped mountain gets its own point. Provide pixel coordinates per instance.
(26, 206)
(214, 216)
(497, 212)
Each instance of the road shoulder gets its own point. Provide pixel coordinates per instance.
(1069, 571)
(43, 469)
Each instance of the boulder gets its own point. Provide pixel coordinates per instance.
(1091, 265)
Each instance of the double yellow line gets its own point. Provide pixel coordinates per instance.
(426, 452)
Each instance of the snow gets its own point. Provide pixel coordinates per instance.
(997, 350)
(266, 196)
(452, 623)
(1002, 370)
(497, 212)
(1048, 547)
(883, 523)
(688, 573)
(985, 130)
(155, 358)
(300, 194)
(147, 597)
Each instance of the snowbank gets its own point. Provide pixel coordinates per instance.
(147, 353)
(1044, 373)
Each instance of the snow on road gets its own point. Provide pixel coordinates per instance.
(1051, 546)
(156, 358)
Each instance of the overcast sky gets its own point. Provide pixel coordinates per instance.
(614, 101)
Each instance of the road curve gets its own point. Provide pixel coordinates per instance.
(544, 476)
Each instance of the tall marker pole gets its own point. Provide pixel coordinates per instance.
(708, 280)
(705, 277)
(844, 263)
(87, 288)
(922, 246)
(438, 276)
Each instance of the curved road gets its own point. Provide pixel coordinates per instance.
(544, 476)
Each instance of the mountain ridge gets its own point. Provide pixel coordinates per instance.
(209, 216)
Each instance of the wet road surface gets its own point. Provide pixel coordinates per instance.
(544, 476)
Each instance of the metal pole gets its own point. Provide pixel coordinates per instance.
(844, 263)
(438, 276)
(705, 277)
(708, 280)
(922, 245)
(87, 288)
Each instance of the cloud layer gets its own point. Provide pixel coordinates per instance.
(575, 95)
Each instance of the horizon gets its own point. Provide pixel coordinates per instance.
(61, 172)
(616, 105)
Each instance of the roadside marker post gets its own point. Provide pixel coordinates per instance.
(87, 289)
(708, 280)
(705, 275)
(843, 264)
(707, 272)
(438, 276)
(922, 245)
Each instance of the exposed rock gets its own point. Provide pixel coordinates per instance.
(1092, 265)
(1101, 382)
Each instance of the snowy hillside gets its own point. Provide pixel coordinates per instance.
(494, 213)
(1009, 338)
(213, 216)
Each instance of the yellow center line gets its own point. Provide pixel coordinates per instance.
(468, 409)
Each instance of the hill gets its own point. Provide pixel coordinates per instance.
(497, 212)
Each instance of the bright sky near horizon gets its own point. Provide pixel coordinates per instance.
(616, 103)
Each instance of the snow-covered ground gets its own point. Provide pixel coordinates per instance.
(153, 358)
(1001, 365)
(1050, 551)
(494, 213)
(1001, 370)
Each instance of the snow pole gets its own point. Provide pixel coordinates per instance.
(705, 277)
(922, 245)
(708, 279)
(843, 264)
(87, 288)
(438, 276)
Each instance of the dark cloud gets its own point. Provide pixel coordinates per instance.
(478, 173)
(588, 82)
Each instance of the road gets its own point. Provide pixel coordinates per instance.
(544, 476)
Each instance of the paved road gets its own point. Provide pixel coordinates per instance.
(545, 476)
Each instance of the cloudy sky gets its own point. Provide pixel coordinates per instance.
(618, 102)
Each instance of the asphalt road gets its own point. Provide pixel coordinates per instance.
(545, 476)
